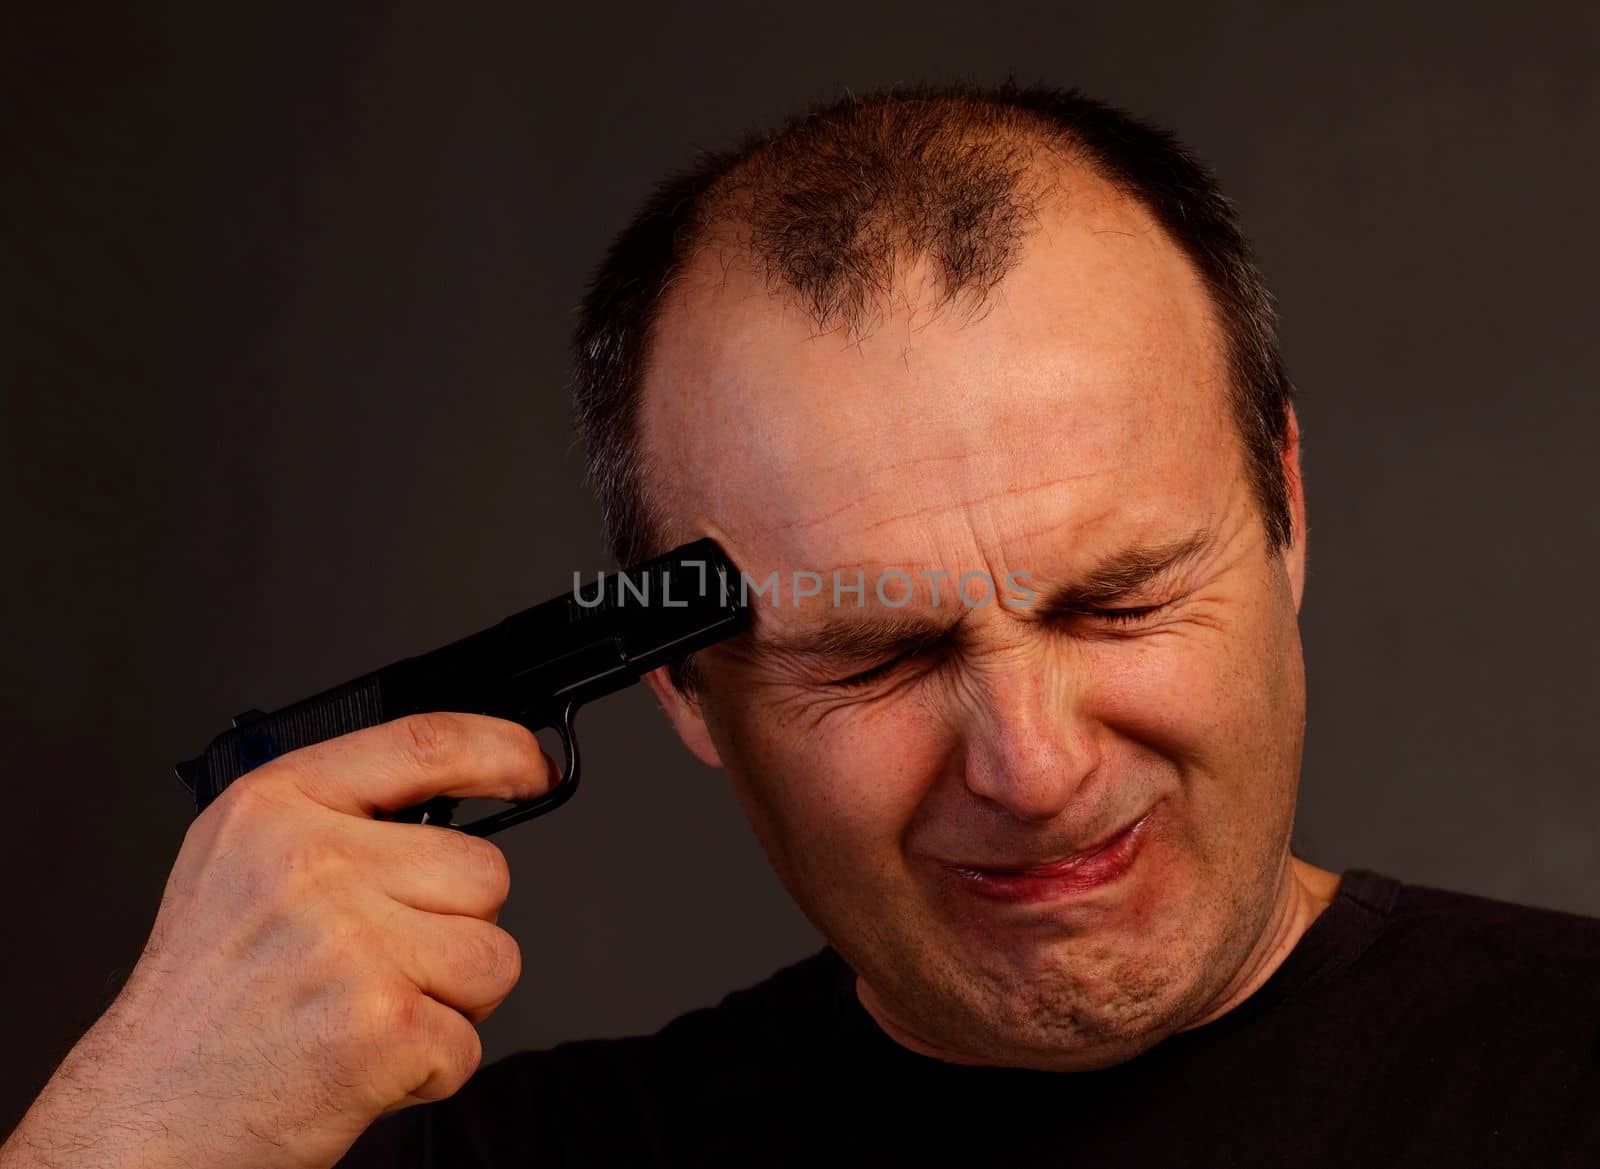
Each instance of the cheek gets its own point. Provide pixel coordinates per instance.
(842, 789)
(1204, 710)
(1206, 699)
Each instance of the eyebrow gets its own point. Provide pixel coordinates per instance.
(870, 638)
(857, 639)
(1124, 573)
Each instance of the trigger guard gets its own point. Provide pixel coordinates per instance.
(550, 800)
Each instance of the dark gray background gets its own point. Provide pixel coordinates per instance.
(285, 398)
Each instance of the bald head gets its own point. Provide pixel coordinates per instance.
(887, 207)
(805, 444)
(834, 212)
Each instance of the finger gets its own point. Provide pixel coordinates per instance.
(438, 870)
(450, 1051)
(405, 762)
(462, 962)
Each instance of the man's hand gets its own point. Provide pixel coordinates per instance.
(310, 968)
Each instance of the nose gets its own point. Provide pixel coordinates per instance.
(1029, 749)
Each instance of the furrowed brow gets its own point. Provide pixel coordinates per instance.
(864, 638)
(1123, 573)
(872, 638)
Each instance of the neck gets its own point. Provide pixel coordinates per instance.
(1304, 891)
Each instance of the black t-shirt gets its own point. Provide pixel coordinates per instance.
(1408, 1027)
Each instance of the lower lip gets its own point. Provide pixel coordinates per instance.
(1092, 871)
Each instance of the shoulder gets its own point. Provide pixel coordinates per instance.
(794, 1005)
(1458, 949)
(1474, 1008)
(1490, 931)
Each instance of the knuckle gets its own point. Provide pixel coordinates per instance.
(392, 1014)
(473, 958)
(398, 1043)
(495, 956)
(455, 1052)
(466, 1053)
(427, 738)
(256, 806)
(237, 813)
(505, 965)
(289, 866)
(342, 936)
(356, 1029)
(491, 869)
(442, 1049)
(305, 862)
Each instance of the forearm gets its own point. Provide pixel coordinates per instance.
(92, 1115)
(107, 1107)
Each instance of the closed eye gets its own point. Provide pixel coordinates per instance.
(924, 655)
(1117, 617)
(1122, 616)
(875, 674)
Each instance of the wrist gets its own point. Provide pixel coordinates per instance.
(84, 1118)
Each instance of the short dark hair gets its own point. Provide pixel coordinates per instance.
(834, 200)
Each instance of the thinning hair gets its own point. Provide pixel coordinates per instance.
(840, 199)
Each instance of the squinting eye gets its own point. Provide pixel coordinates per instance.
(867, 677)
(1122, 616)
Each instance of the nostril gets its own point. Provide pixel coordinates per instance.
(1032, 775)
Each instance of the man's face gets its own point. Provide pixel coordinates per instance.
(1140, 718)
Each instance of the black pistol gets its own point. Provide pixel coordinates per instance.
(535, 667)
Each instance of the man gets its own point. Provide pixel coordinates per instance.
(933, 336)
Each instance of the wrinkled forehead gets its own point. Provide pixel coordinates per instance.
(1091, 378)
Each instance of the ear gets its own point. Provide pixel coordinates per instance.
(1294, 556)
(687, 716)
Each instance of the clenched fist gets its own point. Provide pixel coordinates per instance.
(310, 968)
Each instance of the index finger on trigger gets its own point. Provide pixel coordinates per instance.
(405, 762)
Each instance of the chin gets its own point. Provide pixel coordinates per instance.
(1077, 1014)
(1153, 970)
(1076, 1008)
(1069, 986)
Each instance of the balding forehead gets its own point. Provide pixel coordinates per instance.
(944, 226)
(1102, 316)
